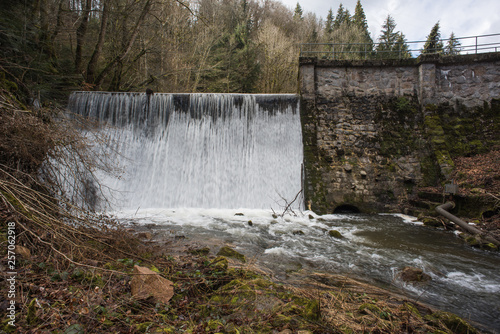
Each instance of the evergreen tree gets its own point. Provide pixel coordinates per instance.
(359, 19)
(392, 44)
(234, 68)
(313, 38)
(433, 43)
(329, 22)
(297, 15)
(388, 38)
(343, 16)
(453, 46)
(402, 47)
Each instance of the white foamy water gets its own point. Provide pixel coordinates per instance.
(199, 150)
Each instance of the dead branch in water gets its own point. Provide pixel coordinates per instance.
(287, 208)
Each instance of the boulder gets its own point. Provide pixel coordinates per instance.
(335, 234)
(231, 253)
(146, 283)
(414, 275)
(219, 263)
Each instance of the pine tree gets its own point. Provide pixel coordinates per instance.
(313, 38)
(234, 68)
(359, 19)
(329, 22)
(297, 15)
(433, 43)
(453, 46)
(388, 38)
(343, 16)
(402, 47)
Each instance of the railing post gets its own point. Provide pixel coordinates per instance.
(476, 44)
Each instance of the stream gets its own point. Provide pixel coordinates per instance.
(374, 248)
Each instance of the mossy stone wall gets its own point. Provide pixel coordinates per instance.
(375, 131)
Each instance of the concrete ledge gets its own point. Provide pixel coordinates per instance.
(422, 59)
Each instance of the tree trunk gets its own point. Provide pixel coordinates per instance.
(91, 68)
(80, 34)
(128, 46)
(44, 23)
(58, 26)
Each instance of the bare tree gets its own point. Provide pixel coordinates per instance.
(92, 65)
(80, 34)
(127, 45)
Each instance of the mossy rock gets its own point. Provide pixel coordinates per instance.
(335, 234)
(219, 263)
(231, 253)
(412, 309)
(200, 251)
(312, 310)
(472, 241)
(489, 246)
(453, 322)
(432, 222)
(307, 308)
(414, 275)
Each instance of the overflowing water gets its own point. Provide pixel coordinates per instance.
(199, 150)
(214, 166)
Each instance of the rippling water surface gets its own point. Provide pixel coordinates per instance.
(374, 248)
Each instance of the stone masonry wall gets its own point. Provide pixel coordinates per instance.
(373, 131)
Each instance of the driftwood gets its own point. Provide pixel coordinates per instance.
(442, 210)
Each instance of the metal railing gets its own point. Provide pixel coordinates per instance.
(352, 51)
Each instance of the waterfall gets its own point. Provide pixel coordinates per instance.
(198, 150)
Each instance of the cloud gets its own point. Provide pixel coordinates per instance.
(415, 19)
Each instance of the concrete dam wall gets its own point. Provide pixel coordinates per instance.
(376, 131)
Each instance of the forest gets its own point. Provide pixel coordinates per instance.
(51, 47)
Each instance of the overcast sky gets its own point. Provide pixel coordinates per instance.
(416, 18)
